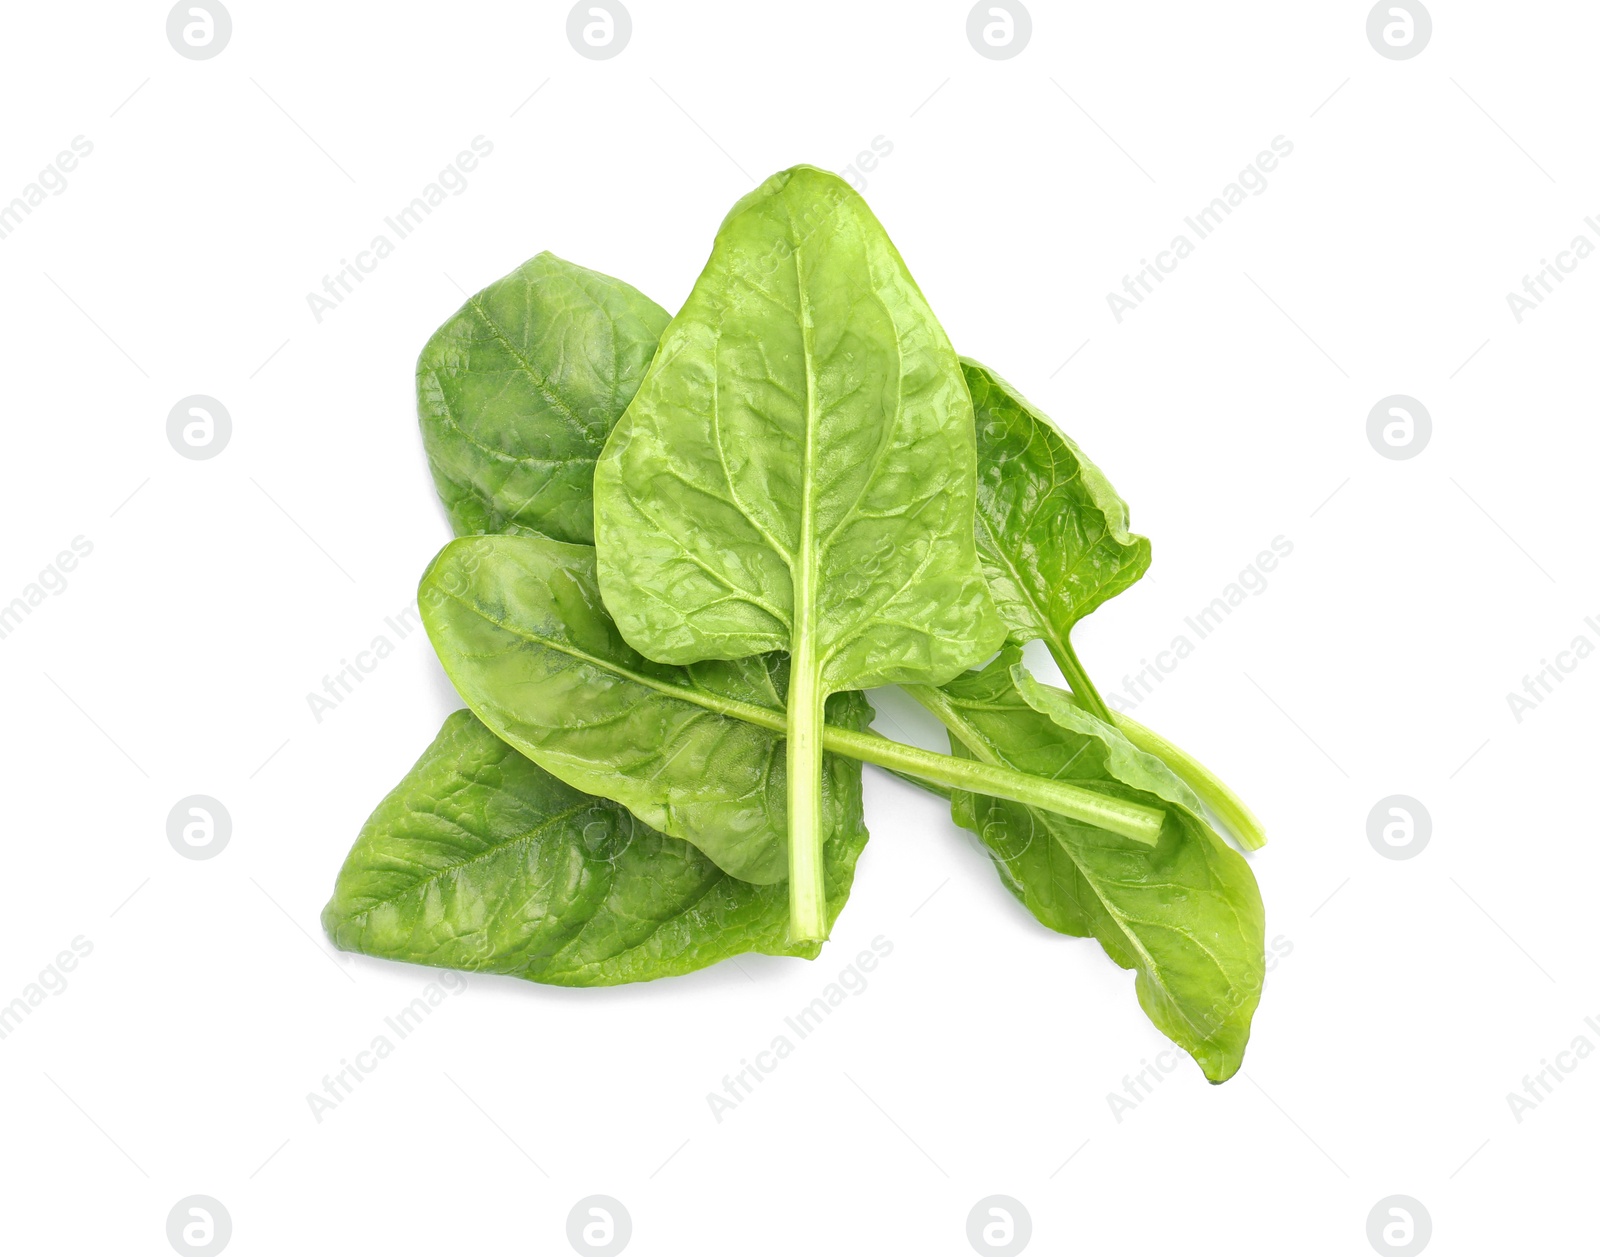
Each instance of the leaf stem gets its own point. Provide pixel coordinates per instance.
(808, 903)
(985, 774)
(1230, 809)
(1077, 679)
(1130, 820)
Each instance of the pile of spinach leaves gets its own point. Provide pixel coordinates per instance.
(685, 547)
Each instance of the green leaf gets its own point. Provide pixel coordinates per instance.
(1054, 540)
(518, 391)
(697, 752)
(481, 860)
(1185, 915)
(1052, 532)
(796, 473)
(520, 628)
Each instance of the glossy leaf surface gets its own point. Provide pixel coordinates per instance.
(1052, 532)
(520, 628)
(1054, 539)
(1186, 915)
(519, 389)
(796, 473)
(799, 457)
(480, 860)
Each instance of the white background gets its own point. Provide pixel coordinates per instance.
(1229, 409)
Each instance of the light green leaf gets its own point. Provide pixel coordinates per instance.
(518, 391)
(1052, 532)
(480, 860)
(520, 628)
(796, 473)
(1054, 540)
(697, 752)
(1185, 915)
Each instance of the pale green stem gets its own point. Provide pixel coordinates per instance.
(1131, 820)
(1229, 808)
(808, 902)
(1077, 679)
(1118, 816)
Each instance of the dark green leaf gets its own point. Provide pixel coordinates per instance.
(481, 860)
(518, 391)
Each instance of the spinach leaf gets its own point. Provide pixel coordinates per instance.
(1186, 915)
(1052, 532)
(481, 860)
(522, 632)
(519, 389)
(797, 473)
(696, 751)
(1053, 537)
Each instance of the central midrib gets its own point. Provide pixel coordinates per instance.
(808, 905)
(803, 630)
